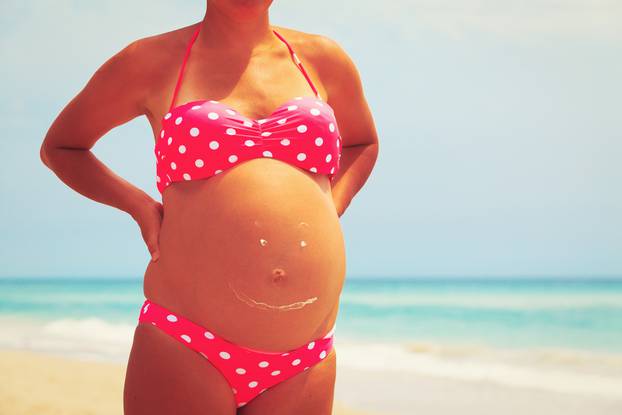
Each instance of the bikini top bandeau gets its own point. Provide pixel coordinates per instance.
(202, 138)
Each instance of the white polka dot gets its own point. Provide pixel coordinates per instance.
(171, 318)
(267, 153)
(292, 107)
(186, 176)
(263, 120)
(162, 134)
(301, 128)
(167, 116)
(182, 149)
(311, 345)
(323, 354)
(301, 156)
(195, 107)
(313, 169)
(199, 163)
(186, 338)
(253, 384)
(240, 371)
(319, 141)
(285, 141)
(331, 127)
(266, 134)
(332, 170)
(306, 367)
(295, 362)
(328, 157)
(173, 165)
(170, 140)
(233, 158)
(146, 306)
(230, 112)
(248, 123)
(276, 373)
(224, 355)
(282, 121)
(178, 120)
(212, 116)
(208, 335)
(230, 131)
(314, 111)
(263, 364)
(194, 131)
(213, 145)
(249, 143)
(218, 171)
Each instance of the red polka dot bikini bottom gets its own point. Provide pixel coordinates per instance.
(249, 372)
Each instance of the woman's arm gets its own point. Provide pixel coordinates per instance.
(114, 95)
(359, 139)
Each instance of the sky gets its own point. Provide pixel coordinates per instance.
(499, 125)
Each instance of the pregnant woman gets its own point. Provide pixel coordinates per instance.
(257, 156)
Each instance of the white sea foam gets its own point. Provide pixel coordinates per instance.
(89, 338)
(569, 371)
(516, 301)
(560, 370)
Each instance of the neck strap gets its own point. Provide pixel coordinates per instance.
(194, 37)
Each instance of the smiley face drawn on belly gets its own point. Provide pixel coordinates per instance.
(278, 276)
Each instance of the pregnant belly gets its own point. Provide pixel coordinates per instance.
(255, 253)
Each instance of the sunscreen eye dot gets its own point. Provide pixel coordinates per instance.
(263, 242)
(303, 244)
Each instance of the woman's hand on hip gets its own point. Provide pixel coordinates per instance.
(148, 215)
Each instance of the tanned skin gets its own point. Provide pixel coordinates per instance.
(203, 237)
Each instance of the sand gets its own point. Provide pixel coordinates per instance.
(39, 384)
(44, 384)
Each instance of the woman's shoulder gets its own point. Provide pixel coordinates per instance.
(162, 45)
(328, 57)
(312, 45)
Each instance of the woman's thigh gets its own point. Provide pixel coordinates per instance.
(308, 393)
(165, 377)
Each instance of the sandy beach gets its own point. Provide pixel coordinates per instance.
(41, 384)
(38, 383)
(479, 349)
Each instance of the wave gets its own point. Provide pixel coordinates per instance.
(566, 371)
(91, 338)
(560, 370)
(529, 301)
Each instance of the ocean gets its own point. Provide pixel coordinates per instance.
(561, 334)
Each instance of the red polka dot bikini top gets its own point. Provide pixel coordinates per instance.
(202, 138)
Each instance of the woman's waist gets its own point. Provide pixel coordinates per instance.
(265, 309)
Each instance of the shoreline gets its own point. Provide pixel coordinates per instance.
(38, 383)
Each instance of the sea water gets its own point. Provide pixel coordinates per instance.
(561, 334)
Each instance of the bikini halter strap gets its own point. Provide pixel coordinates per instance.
(194, 37)
(298, 63)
